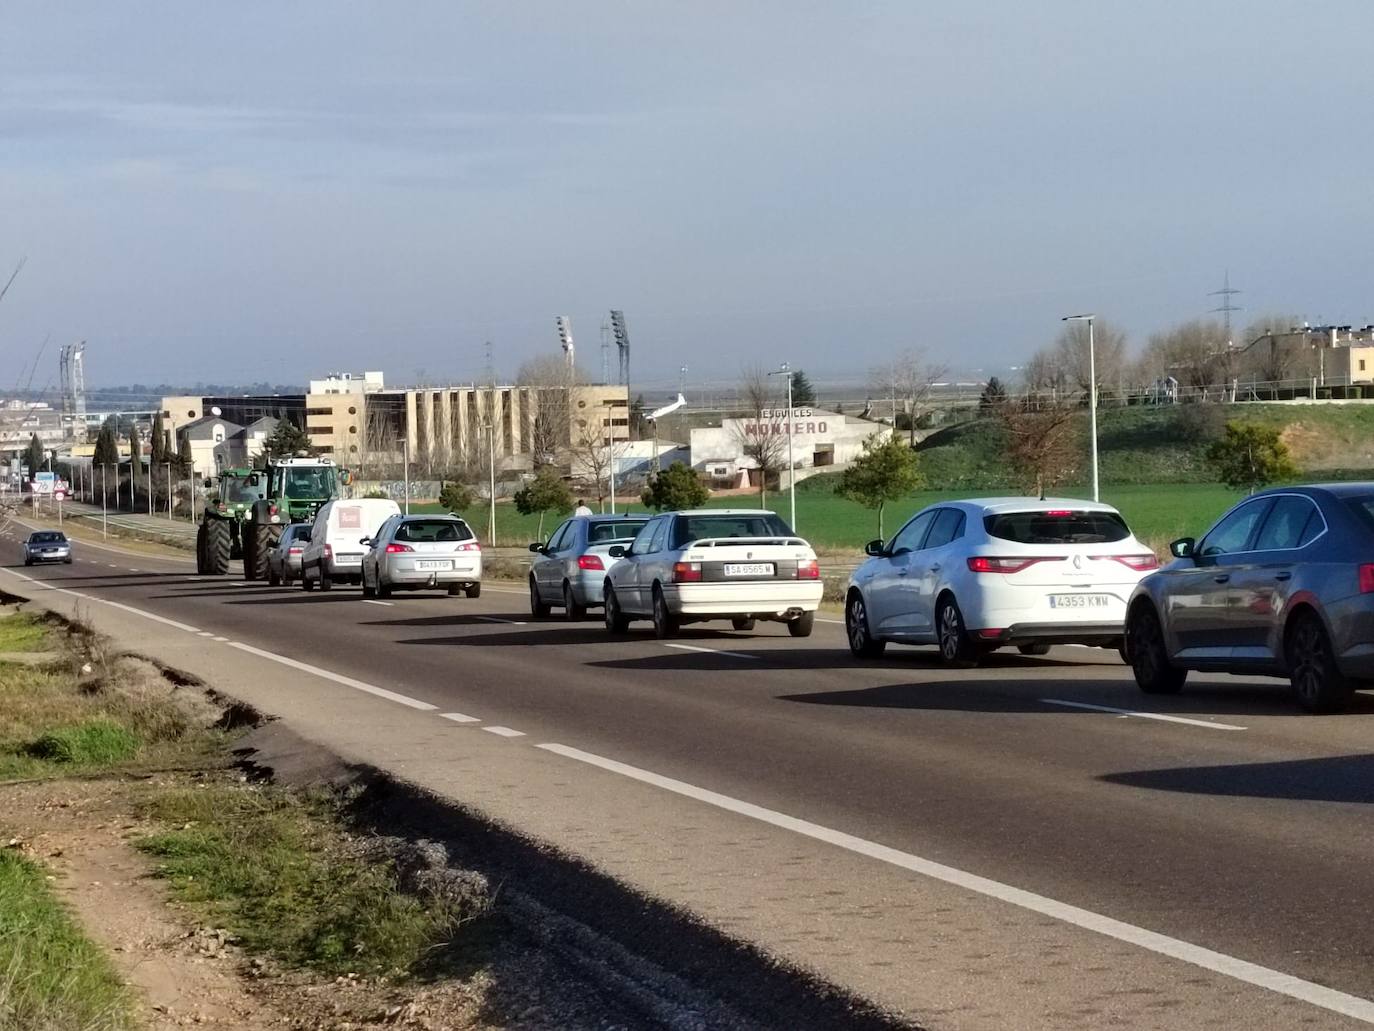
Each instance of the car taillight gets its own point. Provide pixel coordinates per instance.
(1058, 513)
(1367, 578)
(1139, 563)
(294, 551)
(396, 549)
(686, 572)
(328, 551)
(590, 562)
(469, 546)
(808, 569)
(988, 564)
(271, 509)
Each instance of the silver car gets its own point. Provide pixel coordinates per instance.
(284, 557)
(422, 552)
(568, 572)
(1282, 585)
(47, 546)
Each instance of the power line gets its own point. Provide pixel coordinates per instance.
(1226, 292)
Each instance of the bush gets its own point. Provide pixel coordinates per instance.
(1323, 393)
(94, 743)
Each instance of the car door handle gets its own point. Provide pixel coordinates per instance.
(935, 568)
(1283, 576)
(903, 571)
(1224, 578)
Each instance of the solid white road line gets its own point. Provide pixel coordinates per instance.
(43, 585)
(498, 619)
(1143, 715)
(823, 619)
(710, 651)
(504, 731)
(458, 717)
(1218, 962)
(373, 601)
(241, 583)
(338, 678)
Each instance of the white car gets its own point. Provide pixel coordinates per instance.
(423, 552)
(335, 551)
(740, 565)
(973, 576)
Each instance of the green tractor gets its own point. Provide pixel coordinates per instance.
(295, 490)
(220, 537)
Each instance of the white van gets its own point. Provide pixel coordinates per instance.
(336, 548)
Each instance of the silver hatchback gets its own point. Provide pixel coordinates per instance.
(422, 552)
(569, 570)
(284, 557)
(1282, 585)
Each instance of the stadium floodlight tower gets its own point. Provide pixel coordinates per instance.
(78, 388)
(622, 342)
(565, 338)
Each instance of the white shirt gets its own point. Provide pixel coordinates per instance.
(582, 510)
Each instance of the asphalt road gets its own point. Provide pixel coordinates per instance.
(1234, 824)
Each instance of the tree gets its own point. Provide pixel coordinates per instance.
(185, 459)
(1195, 353)
(909, 380)
(1043, 447)
(594, 449)
(888, 470)
(158, 440)
(553, 383)
(1250, 456)
(34, 456)
(637, 417)
(286, 440)
(106, 452)
(803, 393)
(760, 433)
(455, 496)
(993, 397)
(674, 489)
(545, 493)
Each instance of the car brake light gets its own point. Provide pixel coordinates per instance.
(686, 572)
(590, 562)
(808, 569)
(991, 633)
(469, 546)
(1058, 513)
(988, 564)
(396, 549)
(294, 551)
(1367, 578)
(1139, 563)
(328, 551)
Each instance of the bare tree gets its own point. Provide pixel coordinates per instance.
(1043, 441)
(1070, 354)
(761, 430)
(1196, 353)
(1277, 348)
(594, 450)
(909, 380)
(554, 384)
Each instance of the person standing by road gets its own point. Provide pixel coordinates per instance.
(581, 509)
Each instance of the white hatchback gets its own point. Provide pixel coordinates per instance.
(973, 576)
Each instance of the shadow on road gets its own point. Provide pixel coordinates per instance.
(1342, 778)
(784, 658)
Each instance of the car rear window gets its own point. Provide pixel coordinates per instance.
(422, 531)
(695, 528)
(1057, 526)
(1363, 507)
(617, 530)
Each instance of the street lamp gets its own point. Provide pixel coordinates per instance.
(786, 370)
(1092, 390)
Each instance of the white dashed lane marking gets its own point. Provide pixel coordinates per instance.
(498, 619)
(504, 731)
(1142, 715)
(711, 651)
(371, 601)
(458, 717)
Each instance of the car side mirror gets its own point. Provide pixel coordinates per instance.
(365, 540)
(618, 551)
(536, 547)
(1183, 547)
(874, 549)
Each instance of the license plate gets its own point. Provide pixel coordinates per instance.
(434, 564)
(748, 569)
(1080, 601)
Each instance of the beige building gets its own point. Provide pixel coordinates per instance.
(1353, 363)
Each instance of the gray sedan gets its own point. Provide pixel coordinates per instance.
(1282, 585)
(569, 570)
(284, 557)
(422, 552)
(47, 546)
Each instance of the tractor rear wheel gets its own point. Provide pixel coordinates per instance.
(258, 539)
(218, 543)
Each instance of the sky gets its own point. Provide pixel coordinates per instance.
(265, 191)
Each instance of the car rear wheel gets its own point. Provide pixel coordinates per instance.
(326, 582)
(571, 609)
(474, 591)
(861, 640)
(956, 647)
(273, 577)
(665, 623)
(368, 590)
(307, 584)
(538, 607)
(1034, 649)
(1317, 681)
(616, 622)
(1154, 673)
(802, 625)
(742, 624)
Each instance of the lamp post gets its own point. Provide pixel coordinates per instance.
(169, 491)
(104, 503)
(491, 484)
(786, 370)
(405, 470)
(1092, 390)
